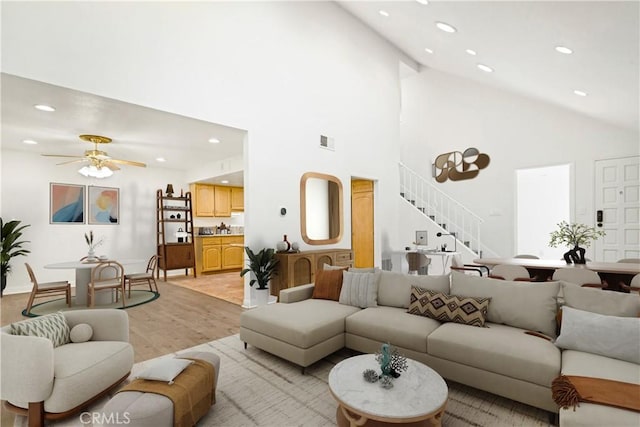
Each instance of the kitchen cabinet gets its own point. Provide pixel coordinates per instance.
(215, 200)
(222, 201)
(219, 253)
(237, 199)
(299, 268)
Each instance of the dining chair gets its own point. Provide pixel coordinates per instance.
(458, 265)
(107, 275)
(146, 278)
(47, 289)
(510, 272)
(579, 276)
(418, 263)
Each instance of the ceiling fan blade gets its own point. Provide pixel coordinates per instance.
(62, 155)
(128, 162)
(111, 165)
(80, 160)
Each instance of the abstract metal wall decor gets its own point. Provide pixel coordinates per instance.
(457, 166)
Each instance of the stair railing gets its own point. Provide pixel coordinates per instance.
(451, 215)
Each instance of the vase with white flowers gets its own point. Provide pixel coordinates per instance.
(93, 244)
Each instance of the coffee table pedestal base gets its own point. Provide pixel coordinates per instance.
(347, 418)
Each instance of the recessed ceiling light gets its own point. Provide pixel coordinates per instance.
(214, 140)
(383, 13)
(564, 49)
(580, 93)
(485, 68)
(225, 181)
(426, 49)
(43, 107)
(29, 141)
(424, 2)
(445, 27)
(471, 52)
(161, 159)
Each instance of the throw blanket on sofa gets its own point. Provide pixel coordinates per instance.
(569, 390)
(192, 392)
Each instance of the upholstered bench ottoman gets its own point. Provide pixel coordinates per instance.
(138, 409)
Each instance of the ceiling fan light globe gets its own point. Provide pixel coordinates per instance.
(94, 172)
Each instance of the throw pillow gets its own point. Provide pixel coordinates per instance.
(164, 370)
(525, 305)
(82, 332)
(52, 326)
(448, 308)
(611, 336)
(328, 284)
(360, 289)
(601, 302)
(326, 266)
(363, 270)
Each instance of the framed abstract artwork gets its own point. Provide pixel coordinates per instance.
(66, 203)
(103, 205)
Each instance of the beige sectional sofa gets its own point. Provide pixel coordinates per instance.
(503, 357)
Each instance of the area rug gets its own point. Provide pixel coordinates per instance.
(256, 388)
(138, 297)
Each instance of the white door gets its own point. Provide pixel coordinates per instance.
(617, 195)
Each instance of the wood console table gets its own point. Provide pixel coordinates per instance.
(299, 268)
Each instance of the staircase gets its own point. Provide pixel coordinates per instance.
(450, 215)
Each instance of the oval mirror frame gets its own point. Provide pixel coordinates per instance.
(335, 213)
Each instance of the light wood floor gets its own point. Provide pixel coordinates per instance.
(179, 319)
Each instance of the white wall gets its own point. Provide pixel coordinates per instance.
(443, 113)
(286, 72)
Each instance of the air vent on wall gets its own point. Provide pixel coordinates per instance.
(327, 143)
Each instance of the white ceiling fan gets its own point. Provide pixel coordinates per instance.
(100, 164)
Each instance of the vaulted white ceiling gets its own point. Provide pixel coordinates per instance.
(518, 39)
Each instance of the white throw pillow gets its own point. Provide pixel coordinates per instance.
(82, 332)
(601, 302)
(164, 370)
(359, 289)
(610, 336)
(526, 305)
(326, 266)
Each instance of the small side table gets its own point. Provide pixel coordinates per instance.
(418, 397)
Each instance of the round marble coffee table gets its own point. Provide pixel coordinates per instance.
(418, 397)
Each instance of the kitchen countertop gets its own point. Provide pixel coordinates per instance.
(218, 235)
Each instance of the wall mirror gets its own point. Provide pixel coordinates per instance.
(321, 216)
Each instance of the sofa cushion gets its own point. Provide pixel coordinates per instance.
(302, 324)
(82, 332)
(612, 336)
(52, 326)
(448, 308)
(394, 289)
(164, 369)
(602, 302)
(393, 325)
(527, 305)
(593, 365)
(500, 349)
(328, 284)
(359, 289)
(86, 369)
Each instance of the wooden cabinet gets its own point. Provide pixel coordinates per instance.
(176, 255)
(219, 253)
(237, 199)
(295, 269)
(174, 213)
(222, 201)
(218, 201)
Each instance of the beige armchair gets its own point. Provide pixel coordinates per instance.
(43, 382)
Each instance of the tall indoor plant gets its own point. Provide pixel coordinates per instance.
(11, 247)
(574, 235)
(262, 265)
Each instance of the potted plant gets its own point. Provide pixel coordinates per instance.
(11, 246)
(574, 235)
(262, 265)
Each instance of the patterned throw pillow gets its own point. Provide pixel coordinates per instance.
(448, 308)
(52, 326)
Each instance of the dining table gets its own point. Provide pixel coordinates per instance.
(83, 269)
(612, 272)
